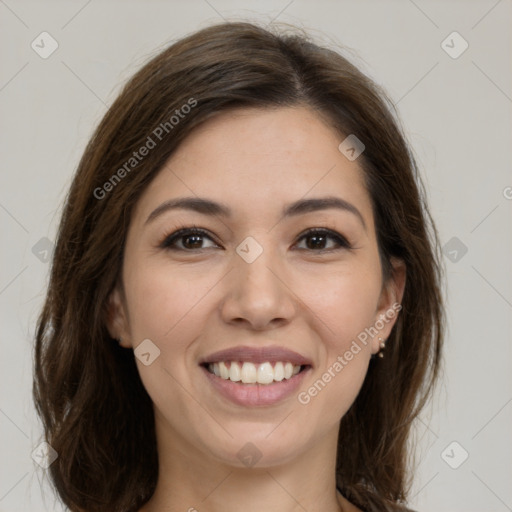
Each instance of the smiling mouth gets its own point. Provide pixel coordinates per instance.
(250, 373)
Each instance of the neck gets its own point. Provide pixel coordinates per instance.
(191, 480)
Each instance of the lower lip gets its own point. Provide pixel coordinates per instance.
(255, 394)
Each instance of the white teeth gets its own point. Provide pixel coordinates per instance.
(224, 372)
(288, 370)
(234, 372)
(265, 373)
(279, 371)
(249, 373)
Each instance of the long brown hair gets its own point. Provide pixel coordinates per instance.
(95, 411)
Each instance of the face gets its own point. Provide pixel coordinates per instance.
(269, 283)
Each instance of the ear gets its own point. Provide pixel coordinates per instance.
(117, 317)
(389, 304)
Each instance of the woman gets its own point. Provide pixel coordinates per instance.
(244, 310)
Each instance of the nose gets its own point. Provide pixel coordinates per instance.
(258, 293)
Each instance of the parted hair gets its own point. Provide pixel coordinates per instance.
(93, 406)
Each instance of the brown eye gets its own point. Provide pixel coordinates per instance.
(319, 238)
(191, 239)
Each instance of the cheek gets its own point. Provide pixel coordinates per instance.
(345, 303)
(345, 307)
(164, 303)
(168, 307)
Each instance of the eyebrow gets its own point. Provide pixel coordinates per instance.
(213, 208)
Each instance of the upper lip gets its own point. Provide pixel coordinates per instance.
(257, 355)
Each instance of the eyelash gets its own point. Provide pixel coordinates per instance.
(170, 239)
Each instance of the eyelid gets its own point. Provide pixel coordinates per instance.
(181, 232)
(175, 235)
(342, 241)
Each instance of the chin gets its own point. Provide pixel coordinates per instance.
(259, 445)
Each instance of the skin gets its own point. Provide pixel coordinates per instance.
(191, 304)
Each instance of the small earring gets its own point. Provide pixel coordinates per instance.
(382, 345)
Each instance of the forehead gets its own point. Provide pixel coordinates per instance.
(255, 160)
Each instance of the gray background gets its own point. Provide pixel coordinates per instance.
(456, 113)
